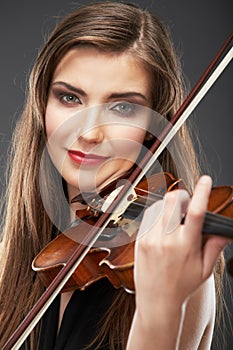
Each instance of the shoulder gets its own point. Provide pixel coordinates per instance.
(199, 318)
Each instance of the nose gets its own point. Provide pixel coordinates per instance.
(94, 136)
(92, 128)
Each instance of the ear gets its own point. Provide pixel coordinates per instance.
(148, 136)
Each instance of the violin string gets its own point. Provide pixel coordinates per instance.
(218, 224)
(149, 200)
(217, 220)
(213, 223)
(150, 194)
(209, 215)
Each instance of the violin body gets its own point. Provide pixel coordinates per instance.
(113, 254)
(116, 263)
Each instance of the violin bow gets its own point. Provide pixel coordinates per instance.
(205, 82)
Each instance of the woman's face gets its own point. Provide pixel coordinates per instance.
(95, 116)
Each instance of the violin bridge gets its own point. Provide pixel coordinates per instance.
(98, 205)
(121, 208)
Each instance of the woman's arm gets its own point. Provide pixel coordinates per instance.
(198, 326)
(172, 275)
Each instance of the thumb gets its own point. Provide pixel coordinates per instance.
(212, 248)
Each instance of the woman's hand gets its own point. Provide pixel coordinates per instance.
(171, 263)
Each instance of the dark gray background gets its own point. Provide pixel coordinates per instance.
(198, 29)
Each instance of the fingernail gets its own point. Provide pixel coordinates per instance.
(205, 179)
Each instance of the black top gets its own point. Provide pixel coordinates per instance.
(80, 323)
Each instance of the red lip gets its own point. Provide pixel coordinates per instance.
(85, 159)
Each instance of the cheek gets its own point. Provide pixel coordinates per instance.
(60, 127)
(128, 142)
(127, 133)
(139, 135)
(56, 118)
(51, 121)
(57, 140)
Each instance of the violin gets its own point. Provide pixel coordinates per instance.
(115, 260)
(91, 258)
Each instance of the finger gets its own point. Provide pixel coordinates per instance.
(175, 206)
(150, 217)
(196, 211)
(176, 203)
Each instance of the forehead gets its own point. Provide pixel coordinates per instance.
(90, 65)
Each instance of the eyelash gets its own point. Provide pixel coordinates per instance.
(114, 107)
(61, 95)
(132, 106)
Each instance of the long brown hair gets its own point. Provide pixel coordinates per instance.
(110, 27)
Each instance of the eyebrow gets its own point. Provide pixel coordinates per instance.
(69, 87)
(113, 95)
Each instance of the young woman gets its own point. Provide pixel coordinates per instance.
(89, 116)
